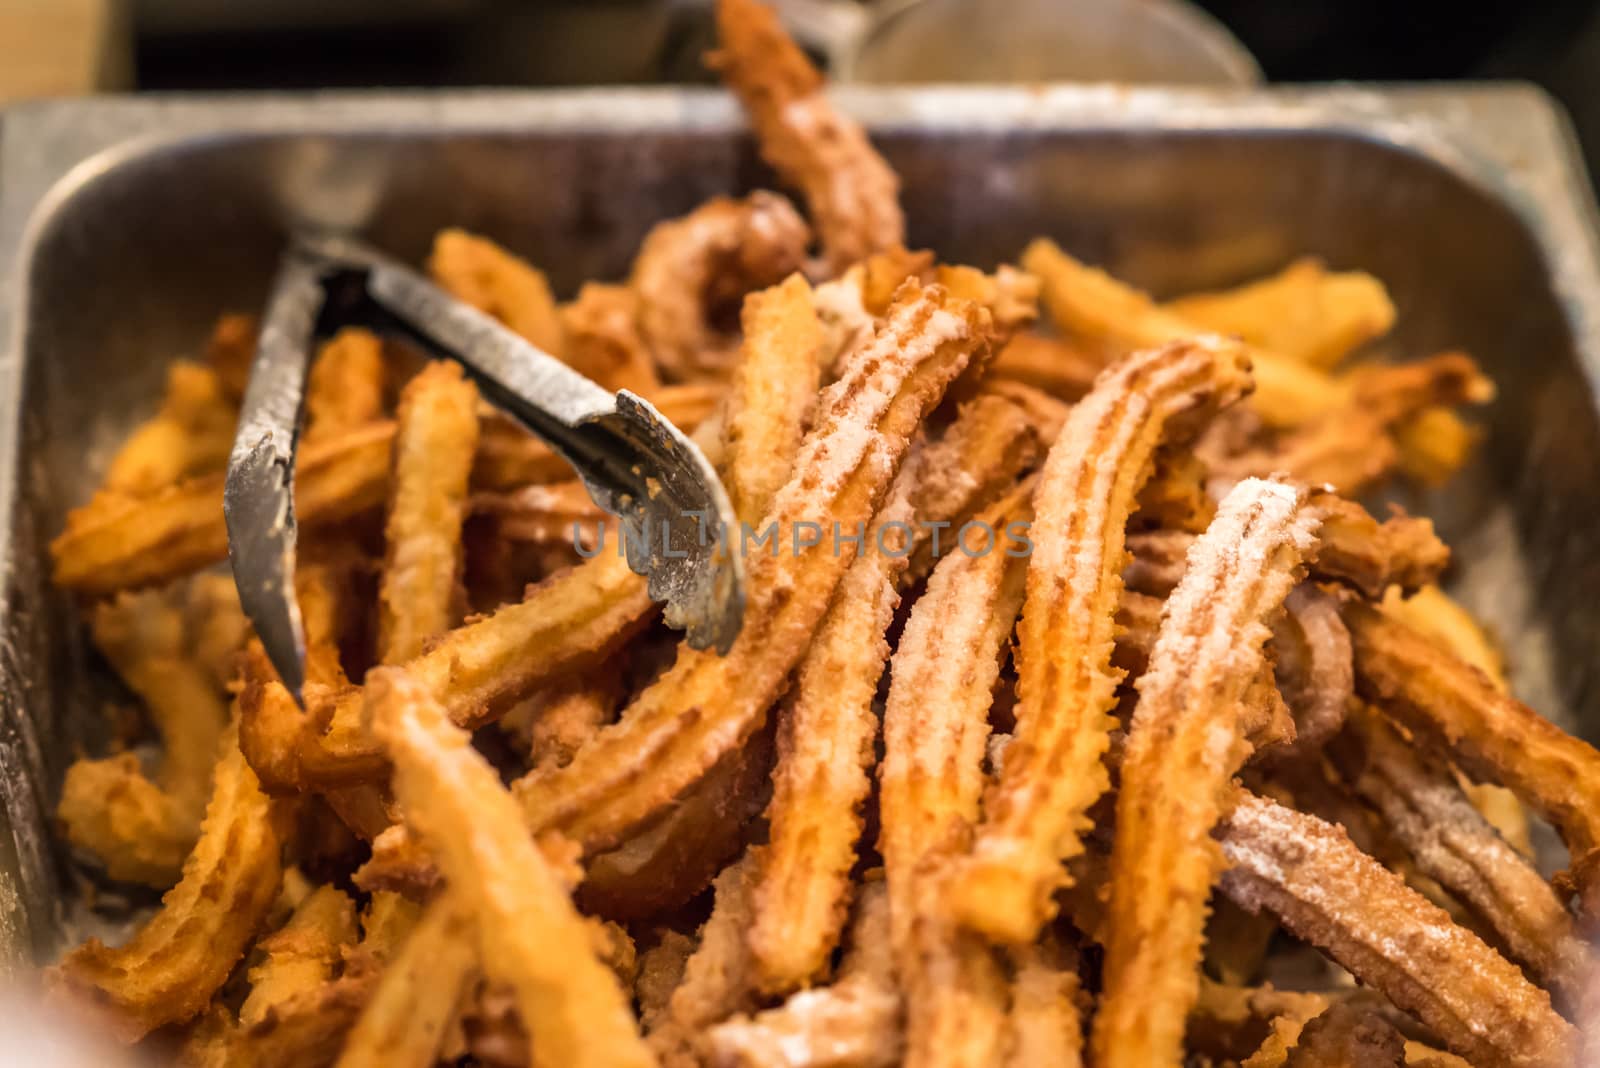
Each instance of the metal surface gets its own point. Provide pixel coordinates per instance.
(634, 463)
(127, 225)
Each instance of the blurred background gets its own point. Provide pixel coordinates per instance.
(56, 47)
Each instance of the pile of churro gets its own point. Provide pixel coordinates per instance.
(1080, 714)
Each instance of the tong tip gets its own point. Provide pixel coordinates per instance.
(258, 508)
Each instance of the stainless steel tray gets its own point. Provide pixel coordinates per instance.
(127, 225)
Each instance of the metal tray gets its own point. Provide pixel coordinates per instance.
(127, 225)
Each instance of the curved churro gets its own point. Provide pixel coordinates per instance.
(1389, 937)
(707, 704)
(1313, 669)
(1429, 814)
(1190, 734)
(1446, 701)
(1087, 491)
(851, 191)
(529, 935)
(168, 970)
(738, 245)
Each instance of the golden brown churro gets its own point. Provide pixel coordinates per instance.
(529, 936)
(851, 191)
(1365, 917)
(907, 502)
(1053, 771)
(1190, 735)
(861, 434)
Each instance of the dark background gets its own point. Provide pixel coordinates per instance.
(200, 44)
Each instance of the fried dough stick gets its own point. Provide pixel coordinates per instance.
(189, 436)
(167, 972)
(773, 390)
(670, 861)
(1355, 446)
(1046, 1024)
(990, 443)
(300, 955)
(1088, 489)
(1190, 735)
(1427, 811)
(1434, 613)
(657, 749)
(852, 1023)
(1345, 1036)
(142, 830)
(826, 731)
(1389, 937)
(1353, 549)
(529, 936)
(403, 1023)
(1305, 311)
(1093, 307)
(936, 728)
(436, 435)
(718, 978)
(574, 619)
(1313, 670)
(720, 251)
(479, 272)
(344, 390)
(1445, 701)
(603, 340)
(115, 543)
(852, 192)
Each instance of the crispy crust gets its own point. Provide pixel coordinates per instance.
(853, 1023)
(851, 191)
(529, 935)
(1426, 810)
(1449, 703)
(402, 1024)
(1365, 917)
(772, 392)
(722, 249)
(575, 618)
(167, 972)
(1190, 734)
(344, 390)
(826, 733)
(436, 436)
(1088, 489)
(479, 272)
(707, 704)
(936, 726)
(115, 543)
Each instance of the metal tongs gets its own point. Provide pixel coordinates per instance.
(634, 463)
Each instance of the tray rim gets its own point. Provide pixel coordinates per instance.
(1509, 140)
